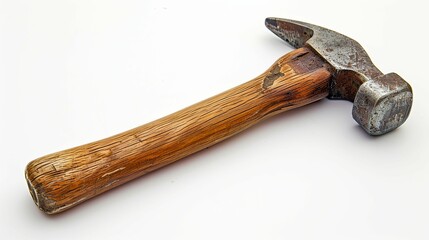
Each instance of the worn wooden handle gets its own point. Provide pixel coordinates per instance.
(61, 180)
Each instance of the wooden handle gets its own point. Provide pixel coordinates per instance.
(61, 180)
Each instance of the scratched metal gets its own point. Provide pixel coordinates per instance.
(381, 102)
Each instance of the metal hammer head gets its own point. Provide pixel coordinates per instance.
(381, 102)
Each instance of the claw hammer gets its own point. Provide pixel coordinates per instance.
(325, 64)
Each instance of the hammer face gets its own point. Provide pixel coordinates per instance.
(382, 104)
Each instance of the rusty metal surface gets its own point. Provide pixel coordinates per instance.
(382, 104)
(355, 77)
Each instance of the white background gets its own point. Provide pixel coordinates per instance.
(72, 72)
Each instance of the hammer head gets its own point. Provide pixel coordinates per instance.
(381, 102)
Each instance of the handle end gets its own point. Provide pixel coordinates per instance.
(44, 204)
(33, 191)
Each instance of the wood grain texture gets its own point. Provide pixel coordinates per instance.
(61, 180)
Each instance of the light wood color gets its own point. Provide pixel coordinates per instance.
(61, 180)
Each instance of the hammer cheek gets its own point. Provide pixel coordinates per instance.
(383, 104)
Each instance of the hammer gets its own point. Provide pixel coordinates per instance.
(325, 64)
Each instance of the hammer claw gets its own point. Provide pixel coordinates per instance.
(293, 32)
